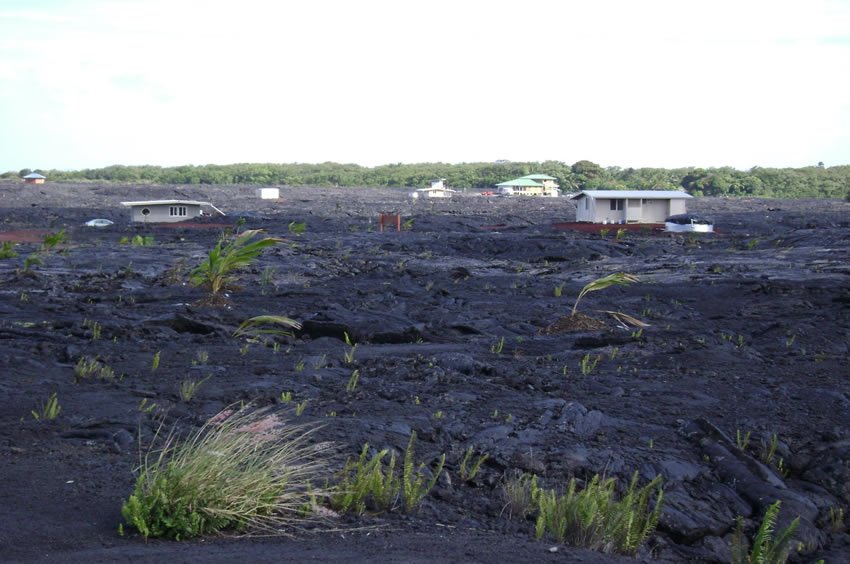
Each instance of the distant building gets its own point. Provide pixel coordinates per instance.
(530, 185)
(167, 211)
(34, 178)
(629, 206)
(438, 189)
(268, 193)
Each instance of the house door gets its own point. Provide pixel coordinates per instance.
(633, 213)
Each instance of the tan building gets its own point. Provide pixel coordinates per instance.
(530, 185)
(629, 206)
(34, 178)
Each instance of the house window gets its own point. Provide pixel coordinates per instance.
(146, 211)
(177, 211)
(617, 205)
(586, 204)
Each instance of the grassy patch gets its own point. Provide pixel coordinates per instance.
(244, 470)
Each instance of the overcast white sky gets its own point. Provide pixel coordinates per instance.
(90, 83)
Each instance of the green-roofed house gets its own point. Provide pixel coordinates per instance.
(530, 185)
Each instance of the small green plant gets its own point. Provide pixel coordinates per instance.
(603, 233)
(742, 440)
(558, 291)
(243, 350)
(836, 519)
(7, 250)
(285, 397)
(352, 381)
(142, 241)
(591, 518)
(95, 328)
(621, 233)
(244, 470)
(519, 492)
(155, 361)
(299, 366)
(588, 364)
(300, 407)
(189, 388)
(498, 347)
(32, 260)
(438, 414)
(296, 228)
(50, 410)
(226, 258)
(145, 406)
(752, 244)
(52, 240)
(789, 341)
(468, 472)
(267, 278)
(202, 357)
(348, 355)
(766, 547)
(90, 367)
(24, 297)
(616, 279)
(407, 225)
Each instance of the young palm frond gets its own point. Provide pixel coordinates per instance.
(616, 279)
(228, 257)
(266, 325)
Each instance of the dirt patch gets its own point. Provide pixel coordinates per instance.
(24, 235)
(748, 333)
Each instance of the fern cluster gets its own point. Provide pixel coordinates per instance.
(766, 548)
(591, 518)
(367, 485)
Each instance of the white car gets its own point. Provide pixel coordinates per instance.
(99, 223)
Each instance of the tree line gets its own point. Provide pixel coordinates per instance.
(807, 182)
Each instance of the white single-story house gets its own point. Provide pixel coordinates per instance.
(432, 193)
(629, 206)
(34, 178)
(268, 193)
(167, 211)
(530, 185)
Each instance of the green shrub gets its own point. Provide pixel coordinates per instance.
(591, 518)
(244, 470)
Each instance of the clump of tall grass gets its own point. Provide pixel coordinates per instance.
(245, 470)
(592, 518)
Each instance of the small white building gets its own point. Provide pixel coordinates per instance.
(268, 193)
(629, 206)
(530, 185)
(167, 211)
(438, 189)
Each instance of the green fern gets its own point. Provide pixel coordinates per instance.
(766, 549)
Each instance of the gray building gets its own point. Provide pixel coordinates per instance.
(629, 206)
(166, 211)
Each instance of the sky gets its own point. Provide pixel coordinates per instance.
(655, 83)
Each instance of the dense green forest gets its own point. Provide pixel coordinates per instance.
(809, 182)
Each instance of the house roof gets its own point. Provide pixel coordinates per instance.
(435, 189)
(35, 175)
(539, 177)
(165, 203)
(634, 194)
(520, 182)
